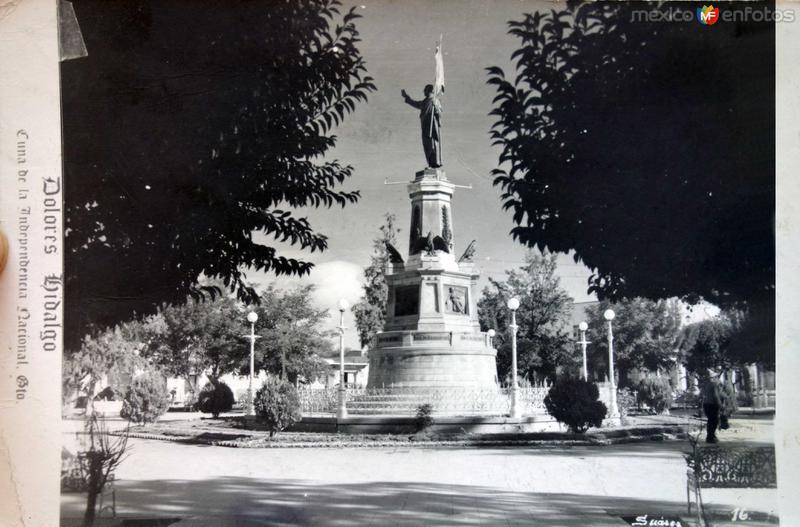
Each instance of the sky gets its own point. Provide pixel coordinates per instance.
(381, 140)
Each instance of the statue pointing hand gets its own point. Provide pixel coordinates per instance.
(430, 111)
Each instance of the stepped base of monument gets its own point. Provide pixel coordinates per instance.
(453, 401)
(387, 424)
(405, 401)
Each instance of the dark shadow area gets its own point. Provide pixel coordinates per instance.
(250, 501)
(672, 450)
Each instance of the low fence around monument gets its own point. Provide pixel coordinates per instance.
(405, 401)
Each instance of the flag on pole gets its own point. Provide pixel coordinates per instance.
(438, 83)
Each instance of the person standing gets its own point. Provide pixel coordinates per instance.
(712, 404)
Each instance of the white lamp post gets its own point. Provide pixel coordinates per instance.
(342, 409)
(513, 305)
(583, 326)
(613, 411)
(491, 333)
(252, 317)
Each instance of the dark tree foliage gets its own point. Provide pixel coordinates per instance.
(645, 147)
(189, 128)
(575, 403)
(715, 344)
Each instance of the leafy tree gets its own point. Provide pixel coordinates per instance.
(208, 124)
(707, 344)
(292, 338)
(646, 335)
(114, 352)
(370, 312)
(197, 337)
(613, 147)
(543, 340)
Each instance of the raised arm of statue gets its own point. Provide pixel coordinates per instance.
(419, 105)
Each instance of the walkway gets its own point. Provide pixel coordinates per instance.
(414, 486)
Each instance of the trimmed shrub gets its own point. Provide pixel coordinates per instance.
(574, 402)
(656, 393)
(215, 398)
(424, 417)
(146, 399)
(277, 404)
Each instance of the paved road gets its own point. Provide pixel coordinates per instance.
(409, 486)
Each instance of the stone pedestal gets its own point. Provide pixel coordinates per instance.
(432, 359)
(431, 336)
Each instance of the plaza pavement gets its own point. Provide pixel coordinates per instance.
(219, 486)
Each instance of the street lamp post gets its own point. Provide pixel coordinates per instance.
(491, 333)
(583, 326)
(342, 407)
(252, 317)
(613, 411)
(513, 305)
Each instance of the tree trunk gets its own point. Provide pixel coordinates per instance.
(90, 398)
(622, 373)
(95, 488)
(91, 503)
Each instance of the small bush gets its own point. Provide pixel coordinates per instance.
(575, 403)
(107, 394)
(277, 404)
(424, 417)
(215, 398)
(146, 400)
(656, 393)
(626, 400)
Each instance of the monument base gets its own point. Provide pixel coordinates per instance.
(432, 359)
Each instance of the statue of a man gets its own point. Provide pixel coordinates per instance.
(430, 110)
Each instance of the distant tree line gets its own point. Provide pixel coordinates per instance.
(204, 338)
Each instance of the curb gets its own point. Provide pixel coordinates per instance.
(676, 434)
